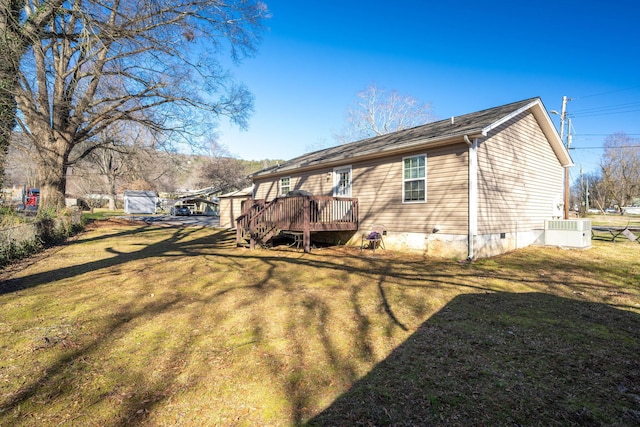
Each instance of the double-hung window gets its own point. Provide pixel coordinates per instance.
(414, 179)
(285, 186)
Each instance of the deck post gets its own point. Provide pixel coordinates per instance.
(306, 229)
(252, 233)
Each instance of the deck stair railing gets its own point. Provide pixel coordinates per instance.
(261, 221)
(248, 220)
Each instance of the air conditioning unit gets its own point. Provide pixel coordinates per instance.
(572, 233)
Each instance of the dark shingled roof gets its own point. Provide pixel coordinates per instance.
(468, 124)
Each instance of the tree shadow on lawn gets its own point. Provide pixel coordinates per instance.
(170, 247)
(409, 269)
(60, 377)
(504, 359)
(481, 356)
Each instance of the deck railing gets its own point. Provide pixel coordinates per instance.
(261, 220)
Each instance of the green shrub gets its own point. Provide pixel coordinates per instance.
(20, 239)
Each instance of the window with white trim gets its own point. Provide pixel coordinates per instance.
(285, 186)
(414, 179)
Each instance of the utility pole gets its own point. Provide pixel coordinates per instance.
(581, 188)
(584, 188)
(563, 115)
(586, 196)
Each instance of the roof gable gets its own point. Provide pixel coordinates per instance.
(245, 192)
(441, 132)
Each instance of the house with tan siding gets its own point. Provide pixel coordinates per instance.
(469, 186)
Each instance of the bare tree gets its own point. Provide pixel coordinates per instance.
(620, 167)
(223, 172)
(152, 63)
(110, 170)
(589, 191)
(104, 167)
(595, 193)
(21, 168)
(21, 23)
(161, 170)
(378, 111)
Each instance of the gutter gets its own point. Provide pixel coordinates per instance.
(472, 217)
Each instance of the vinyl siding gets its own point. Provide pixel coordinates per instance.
(317, 182)
(230, 209)
(265, 189)
(378, 186)
(519, 178)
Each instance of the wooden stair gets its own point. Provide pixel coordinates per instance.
(261, 221)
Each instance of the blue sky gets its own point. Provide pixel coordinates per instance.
(460, 57)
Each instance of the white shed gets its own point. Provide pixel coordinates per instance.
(140, 202)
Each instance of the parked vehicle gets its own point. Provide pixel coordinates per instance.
(30, 199)
(180, 211)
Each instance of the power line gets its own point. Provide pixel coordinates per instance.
(628, 107)
(620, 111)
(609, 107)
(607, 93)
(603, 147)
(603, 134)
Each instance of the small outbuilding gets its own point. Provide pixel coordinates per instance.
(140, 202)
(231, 206)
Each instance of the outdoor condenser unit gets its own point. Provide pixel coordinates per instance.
(573, 233)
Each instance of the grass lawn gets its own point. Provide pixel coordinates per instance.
(146, 325)
(100, 214)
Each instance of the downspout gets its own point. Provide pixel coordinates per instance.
(472, 195)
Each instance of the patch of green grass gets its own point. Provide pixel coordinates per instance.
(9, 217)
(141, 325)
(614, 220)
(101, 214)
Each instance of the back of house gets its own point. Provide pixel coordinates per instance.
(470, 186)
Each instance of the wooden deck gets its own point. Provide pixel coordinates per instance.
(261, 220)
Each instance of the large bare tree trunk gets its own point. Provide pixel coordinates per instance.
(20, 25)
(53, 176)
(112, 191)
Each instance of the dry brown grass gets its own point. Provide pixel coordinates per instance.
(139, 325)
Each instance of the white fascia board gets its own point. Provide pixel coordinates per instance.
(508, 117)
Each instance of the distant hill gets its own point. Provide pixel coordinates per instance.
(163, 171)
